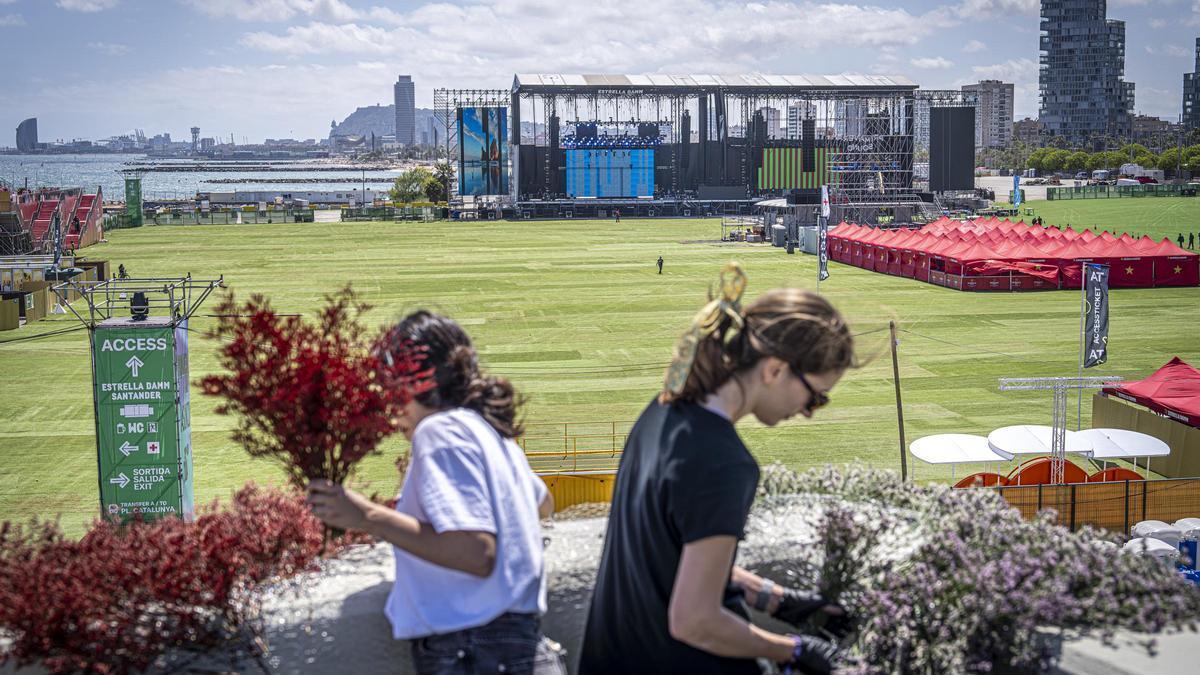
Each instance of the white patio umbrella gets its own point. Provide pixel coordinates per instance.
(1124, 444)
(954, 449)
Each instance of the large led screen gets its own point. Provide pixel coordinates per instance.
(483, 151)
(610, 173)
(784, 168)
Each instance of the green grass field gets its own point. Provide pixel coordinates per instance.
(574, 313)
(1155, 216)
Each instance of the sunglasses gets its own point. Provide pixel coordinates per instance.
(816, 399)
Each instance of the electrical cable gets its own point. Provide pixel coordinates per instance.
(39, 336)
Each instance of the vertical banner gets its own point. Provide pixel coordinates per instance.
(1095, 310)
(1016, 198)
(822, 233)
(133, 201)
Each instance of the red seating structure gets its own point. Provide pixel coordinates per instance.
(982, 479)
(1038, 472)
(80, 216)
(1116, 473)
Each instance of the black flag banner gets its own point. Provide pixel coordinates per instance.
(1095, 309)
(823, 246)
(822, 236)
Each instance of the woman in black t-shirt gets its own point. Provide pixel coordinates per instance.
(668, 597)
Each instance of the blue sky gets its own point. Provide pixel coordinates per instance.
(280, 68)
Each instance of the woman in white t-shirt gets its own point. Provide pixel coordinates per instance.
(470, 583)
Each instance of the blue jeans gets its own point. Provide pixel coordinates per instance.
(511, 643)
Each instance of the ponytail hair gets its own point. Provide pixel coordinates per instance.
(458, 382)
(796, 326)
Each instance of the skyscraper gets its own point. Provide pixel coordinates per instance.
(1084, 96)
(993, 113)
(406, 110)
(1191, 95)
(27, 136)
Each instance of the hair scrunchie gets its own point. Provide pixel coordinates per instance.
(732, 282)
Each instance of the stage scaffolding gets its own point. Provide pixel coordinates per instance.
(864, 125)
(447, 103)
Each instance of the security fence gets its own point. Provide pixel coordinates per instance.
(1116, 506)
(1119, 191)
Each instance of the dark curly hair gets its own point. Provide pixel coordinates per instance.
(458, 381)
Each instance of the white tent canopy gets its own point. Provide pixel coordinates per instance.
(956, 449)
(1123, 444)
(1032, 439)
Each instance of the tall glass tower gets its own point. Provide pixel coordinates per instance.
(1191, 95)
(1084, 96)
(406, 110)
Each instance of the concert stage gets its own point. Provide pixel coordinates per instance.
(568, 146)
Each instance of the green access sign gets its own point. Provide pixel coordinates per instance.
(133, 201)
(142, 420)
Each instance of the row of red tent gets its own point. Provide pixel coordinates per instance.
(985, 254)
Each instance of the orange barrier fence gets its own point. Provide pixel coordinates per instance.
(1115, 506)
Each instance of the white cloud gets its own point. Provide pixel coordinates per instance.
(1022, 73)
(443, 41)
(12, 20)
(277, 10)
(86, 5)
(969, 9)
(932, 62)
(7, 2)
(109, 48)
(1158, 23)
(973, 46)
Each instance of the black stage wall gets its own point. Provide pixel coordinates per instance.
(951, 149)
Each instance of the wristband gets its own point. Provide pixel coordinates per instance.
(763, 599)
(797, 651)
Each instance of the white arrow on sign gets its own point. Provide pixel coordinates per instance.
(134, 363)
(121, 480)
(126, 448)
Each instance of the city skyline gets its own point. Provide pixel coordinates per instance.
(283, 68)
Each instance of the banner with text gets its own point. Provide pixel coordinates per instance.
(142, 439)
(1095, 310)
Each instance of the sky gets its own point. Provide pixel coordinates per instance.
(91, 69)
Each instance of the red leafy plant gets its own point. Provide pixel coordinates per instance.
(150, 594)
(316, 396)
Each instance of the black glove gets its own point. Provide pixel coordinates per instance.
(796, 606)
(816, 656)
(806, 608)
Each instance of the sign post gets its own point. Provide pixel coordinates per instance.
(822, 238)
(140, 379)
(143, 432)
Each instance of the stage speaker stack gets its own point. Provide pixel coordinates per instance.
(685, 138)
(808, 145)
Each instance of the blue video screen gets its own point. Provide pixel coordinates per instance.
(610, 173)
(483, 151)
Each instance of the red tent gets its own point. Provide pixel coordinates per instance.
(1013, 256)
(1173, 390)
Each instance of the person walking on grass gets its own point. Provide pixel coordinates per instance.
(1191, 240)
(660, 264)
(1180, 240)
(668, 597)
(470, 582)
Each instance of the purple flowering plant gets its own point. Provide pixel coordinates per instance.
(981, 589)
